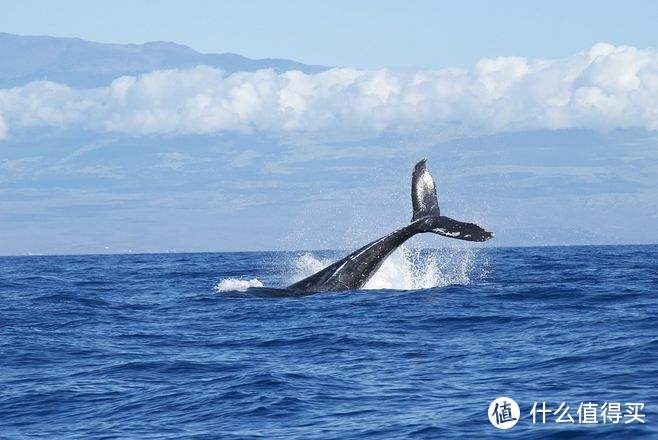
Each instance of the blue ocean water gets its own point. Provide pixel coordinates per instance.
(160, 346)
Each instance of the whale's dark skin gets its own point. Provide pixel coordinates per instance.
(353, 271)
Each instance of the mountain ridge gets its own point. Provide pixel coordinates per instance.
(82, 63)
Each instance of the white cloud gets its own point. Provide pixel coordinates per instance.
(604, 87)
(3, 128)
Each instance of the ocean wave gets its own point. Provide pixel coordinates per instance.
(167, 357)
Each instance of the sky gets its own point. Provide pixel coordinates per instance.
(539, 121)
(362, 34)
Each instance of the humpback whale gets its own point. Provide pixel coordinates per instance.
(353, 271)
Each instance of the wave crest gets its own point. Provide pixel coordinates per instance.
(236, 284)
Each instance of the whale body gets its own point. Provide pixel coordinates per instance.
(353, 271)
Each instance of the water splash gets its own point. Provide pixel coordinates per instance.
(236, 284)
(410, 269)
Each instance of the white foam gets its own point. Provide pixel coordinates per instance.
(236, 284)
(307, 264)
(408, 269)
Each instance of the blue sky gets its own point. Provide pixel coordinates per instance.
(419, 34)
(539, 121)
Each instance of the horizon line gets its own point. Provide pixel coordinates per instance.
(313, 250)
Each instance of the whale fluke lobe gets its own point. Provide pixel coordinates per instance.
(423, 193)
(354, 270)
(461, 230)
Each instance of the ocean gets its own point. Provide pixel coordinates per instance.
(191, 346)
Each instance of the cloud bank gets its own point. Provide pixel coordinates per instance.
(601, 88)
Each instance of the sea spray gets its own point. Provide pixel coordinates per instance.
(408, 268)
(236, 285)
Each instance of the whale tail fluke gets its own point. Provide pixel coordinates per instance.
(353, 271)
(423, 193)
(461, 230)
(427, 215)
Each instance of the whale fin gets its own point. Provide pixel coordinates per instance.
(423, 193)
(461, 230)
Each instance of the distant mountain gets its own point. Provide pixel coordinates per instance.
(81, 63)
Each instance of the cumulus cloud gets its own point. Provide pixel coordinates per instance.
(603, 87)
(3, 128)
